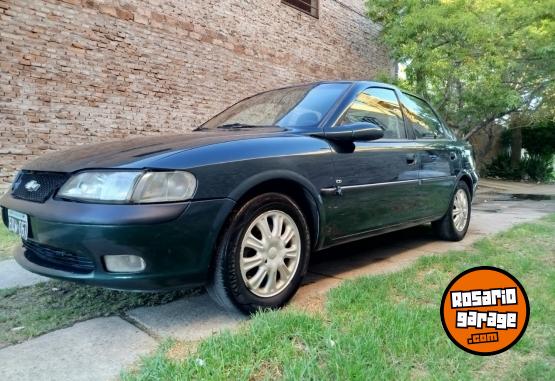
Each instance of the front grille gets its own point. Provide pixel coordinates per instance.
(45, 184)
(57, 259)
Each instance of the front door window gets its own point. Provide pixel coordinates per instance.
(378, 106)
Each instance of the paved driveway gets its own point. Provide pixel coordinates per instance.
(99, 348)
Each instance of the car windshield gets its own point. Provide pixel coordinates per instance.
(299, 106)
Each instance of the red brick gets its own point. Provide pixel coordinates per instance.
(124, 14)
(179, 63)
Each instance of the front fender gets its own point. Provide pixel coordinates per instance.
(273, 175)
(288, 178)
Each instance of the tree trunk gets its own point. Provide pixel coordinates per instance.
(516, 146)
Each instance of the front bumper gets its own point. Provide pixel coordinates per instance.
(175, 240)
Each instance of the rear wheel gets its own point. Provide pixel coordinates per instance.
(262, 256)
(454, 224)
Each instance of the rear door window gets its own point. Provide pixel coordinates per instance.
(422, 118)
(379, 106)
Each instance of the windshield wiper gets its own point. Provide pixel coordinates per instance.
(234, 125)
(239, 125)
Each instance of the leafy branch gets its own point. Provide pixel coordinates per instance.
(478, 61)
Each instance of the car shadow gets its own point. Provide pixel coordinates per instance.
(343, 260)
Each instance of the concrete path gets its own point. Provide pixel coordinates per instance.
(13, 275)
(97, 349)
(188, 319)
(100, 348)
(517, 187)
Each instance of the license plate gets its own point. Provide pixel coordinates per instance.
(18, 223)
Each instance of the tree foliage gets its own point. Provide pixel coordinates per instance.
(537, 164)
(475, 60)
(540, 139)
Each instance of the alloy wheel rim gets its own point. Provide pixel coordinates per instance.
(270, 253)
(460, 210)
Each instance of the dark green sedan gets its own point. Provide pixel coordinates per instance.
(240, 203)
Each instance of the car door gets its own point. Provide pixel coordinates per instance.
(375, 180)
(438, 156)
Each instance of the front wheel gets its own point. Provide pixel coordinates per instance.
(454, 224)
(262, 256)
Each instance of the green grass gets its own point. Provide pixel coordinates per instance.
(385, 327)
(7, 242)
(31, 311)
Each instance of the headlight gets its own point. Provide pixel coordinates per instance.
(129, 186)
(164, 187)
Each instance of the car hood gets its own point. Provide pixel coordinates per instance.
(141, 151)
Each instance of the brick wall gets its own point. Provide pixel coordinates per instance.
(81, 71)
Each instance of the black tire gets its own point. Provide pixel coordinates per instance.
(227, 287)
(445, 227)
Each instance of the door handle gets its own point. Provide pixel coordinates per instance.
(453, 156)
(411, 158)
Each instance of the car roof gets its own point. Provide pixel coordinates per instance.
(368, 83)
(355, 83)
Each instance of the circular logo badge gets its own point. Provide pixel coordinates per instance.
(485, 311)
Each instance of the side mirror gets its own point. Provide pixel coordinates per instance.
(361, 131)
